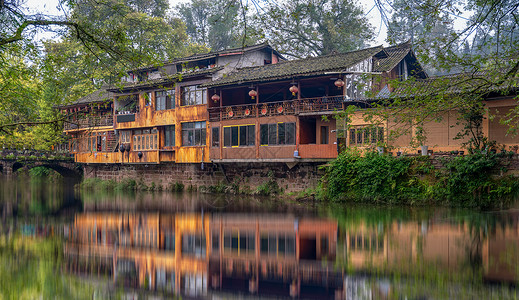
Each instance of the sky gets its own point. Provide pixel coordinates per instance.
(50, 7)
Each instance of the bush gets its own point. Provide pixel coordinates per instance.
(268, 188)
(176, 187)
(370, 178)
(467, 181)
(470, 182)
(127, 184)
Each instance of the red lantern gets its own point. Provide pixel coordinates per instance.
(253, 94)
(293, 89)
(339, 83)
(215, 98)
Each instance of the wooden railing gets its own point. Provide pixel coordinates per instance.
(290, 107)
(90, 121)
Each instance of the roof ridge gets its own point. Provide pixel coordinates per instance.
(185, 58)
(401, 45)
(310, 58)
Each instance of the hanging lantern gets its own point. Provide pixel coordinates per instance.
(339, 83)
(293, 89)
(215, 98)
(253, 94)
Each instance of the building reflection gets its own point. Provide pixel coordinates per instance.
(198, 254)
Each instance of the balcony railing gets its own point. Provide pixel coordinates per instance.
(90, 121)
(290, 107)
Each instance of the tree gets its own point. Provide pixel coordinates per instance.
(421, 22)
(315, 27)
(485, 52)
(99, 41)
(212, 23)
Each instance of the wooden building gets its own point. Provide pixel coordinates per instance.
(283, 112)
(90, 127)
(192, 254)
(250, 105)
(160, 113)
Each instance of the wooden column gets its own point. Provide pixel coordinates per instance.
(220, 131)
(298, 133)
(258, 138)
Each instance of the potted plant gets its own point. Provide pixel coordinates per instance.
(381, 147)
(420, 139)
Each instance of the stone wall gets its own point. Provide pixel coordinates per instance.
(290, 177)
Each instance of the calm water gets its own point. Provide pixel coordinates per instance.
(59, 243)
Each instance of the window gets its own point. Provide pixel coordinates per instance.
(278, 134)
(278, 244)
(169, 241)
(193, 95)
(96, 142)
(169, 136)
(147, 98)
(325, 135)
(165, 99)
(365, 242)
(145, 139)
(366, 135)
(193, 244)
(243, 135)
(215, 140)
(125, 137)
(239, 241)
(193, 133)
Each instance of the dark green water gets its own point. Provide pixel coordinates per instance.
(61, 243)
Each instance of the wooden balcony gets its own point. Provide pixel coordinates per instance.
(90, 121)
(270, 109)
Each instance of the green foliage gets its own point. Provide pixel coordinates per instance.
(370, 178)
(214, 24)
(268, 188)
(470, 182)
(304, 28)
(467, 181)
(127, 184)
(39, 172)
(176, 186)
(30, 269)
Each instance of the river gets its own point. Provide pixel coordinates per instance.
(61, 242)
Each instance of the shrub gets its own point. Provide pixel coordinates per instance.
(270, 187)
(176, 187)
(127, 184)
(467, 181)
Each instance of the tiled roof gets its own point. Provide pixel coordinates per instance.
(99, 96)
(214, 54)
(314, 66)
(395, 54)
(127, 86)
(481, 82)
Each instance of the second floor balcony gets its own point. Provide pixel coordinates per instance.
(89, 122)
(325, 104)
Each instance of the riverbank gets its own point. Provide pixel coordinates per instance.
(477, 180)
(480, 180)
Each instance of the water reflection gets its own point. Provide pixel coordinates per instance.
(197, 254)
(206, 246)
